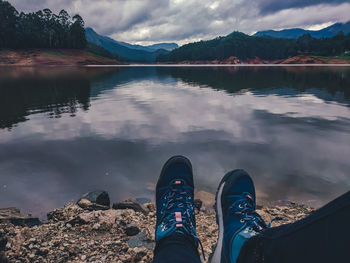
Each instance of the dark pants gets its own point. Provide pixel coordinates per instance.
(324, 236)
(176, 249)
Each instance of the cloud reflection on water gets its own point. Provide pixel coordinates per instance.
(294, 143)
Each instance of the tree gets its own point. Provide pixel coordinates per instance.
(8, 24)
(77, 33)
(41, 29)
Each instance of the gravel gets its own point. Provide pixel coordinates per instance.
(72, 234)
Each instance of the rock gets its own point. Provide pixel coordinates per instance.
(84, 203)
(107, 236)
(14, 216)
(87, 205)
(8, 245)
(107, 217)
(3, 242)
(143, 200)
(3, 245)
(96, 226)
(97, 200)
(140, 252)
(198, 204)
(141, 240)
(42, 251)
(131, 204)
(208, 199)
(132, 230)
(65, 213)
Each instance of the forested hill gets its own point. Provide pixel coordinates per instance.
(245, 47)
(41, 29)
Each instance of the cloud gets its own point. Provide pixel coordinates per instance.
(271, 6)
(305, 17)
(150, 21)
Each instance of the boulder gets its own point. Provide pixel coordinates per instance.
(14, 216)
(131, 204)
(96, 200)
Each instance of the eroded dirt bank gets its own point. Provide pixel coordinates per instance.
(52, 57)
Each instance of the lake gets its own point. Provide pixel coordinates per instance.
(66, 131)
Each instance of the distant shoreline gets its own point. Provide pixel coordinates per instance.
(296, 60)
(222, 65)
(72, 57)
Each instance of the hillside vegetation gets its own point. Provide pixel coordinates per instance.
(247, 47)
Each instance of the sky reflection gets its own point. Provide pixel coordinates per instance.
(114, 128)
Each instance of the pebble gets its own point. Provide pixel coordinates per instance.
(96, 226)
(127, 238)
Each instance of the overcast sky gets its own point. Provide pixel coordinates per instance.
(183, 21)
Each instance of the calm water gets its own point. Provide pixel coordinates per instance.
(65, 131)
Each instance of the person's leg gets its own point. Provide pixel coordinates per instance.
(324, 236)
(177, 249)
(176, 238)
(235, 215)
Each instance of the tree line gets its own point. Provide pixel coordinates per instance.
(243, 46)
(41, 29)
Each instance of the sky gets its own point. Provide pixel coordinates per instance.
(182, 21)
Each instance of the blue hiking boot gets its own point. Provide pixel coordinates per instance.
(174, 200)
(235, 215)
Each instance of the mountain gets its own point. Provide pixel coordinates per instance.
(150, 48)
(166, 46)
(135, 53)
(297, 32)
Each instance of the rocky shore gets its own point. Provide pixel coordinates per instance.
(91, 231)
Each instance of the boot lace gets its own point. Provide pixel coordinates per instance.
(178, 199)
(244, 208)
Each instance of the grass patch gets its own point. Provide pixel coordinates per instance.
(332, 57)
(344, 57)
(54, 54)
(96, 55)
